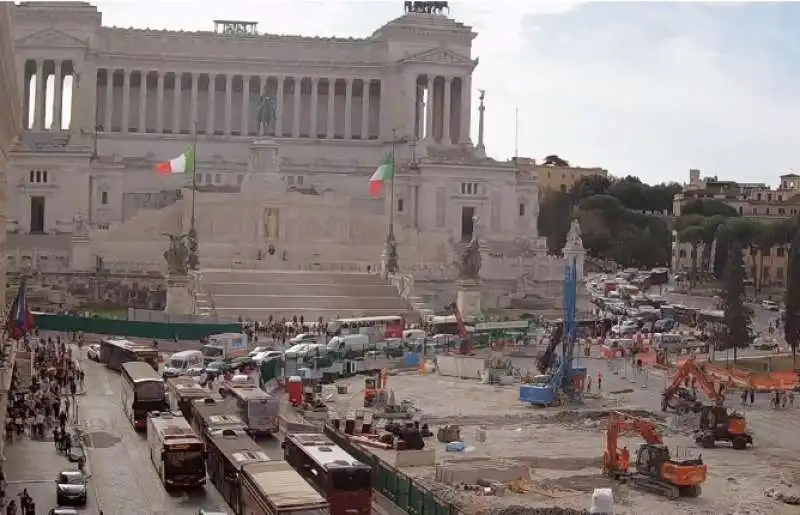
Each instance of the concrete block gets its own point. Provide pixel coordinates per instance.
(420, 458)
(469, 471)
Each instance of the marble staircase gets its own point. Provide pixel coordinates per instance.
(257, 294)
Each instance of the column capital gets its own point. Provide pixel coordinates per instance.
(315, 80)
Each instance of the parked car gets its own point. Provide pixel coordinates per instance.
(93, 352)
(62, 511)
(764, 343)
(304, 338)
(770, 305)
(71, 488)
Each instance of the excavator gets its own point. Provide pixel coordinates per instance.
(717, 423)
(467, 345)
(655, 470)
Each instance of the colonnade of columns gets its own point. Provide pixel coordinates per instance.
(41, 71)
(441, 113)
(171, 102)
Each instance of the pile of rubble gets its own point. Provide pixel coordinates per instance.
(785, 494)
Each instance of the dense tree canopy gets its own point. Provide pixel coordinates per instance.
(614, 219)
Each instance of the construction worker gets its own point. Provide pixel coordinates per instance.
(625, 459)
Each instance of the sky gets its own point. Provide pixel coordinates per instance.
(647, 89)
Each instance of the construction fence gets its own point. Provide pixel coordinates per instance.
(408, 495)
(130, 328)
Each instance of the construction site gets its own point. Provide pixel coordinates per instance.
(655, 440)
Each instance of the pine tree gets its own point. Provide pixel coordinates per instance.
(791, 322)
(738, 316)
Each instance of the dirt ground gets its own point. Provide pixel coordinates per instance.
(772, 364)
(563, 449)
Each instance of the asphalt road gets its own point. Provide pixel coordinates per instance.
(761, 316)
(122, 475)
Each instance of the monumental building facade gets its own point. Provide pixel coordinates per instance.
(100, 105)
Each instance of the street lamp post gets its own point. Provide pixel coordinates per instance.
(390, 249)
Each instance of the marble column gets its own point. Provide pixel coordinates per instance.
(312, 132)
(109, 107)
(446, 112)
(245, 129)
(22, 89)
(58, 98)
(194, 122)
(228, 103)
(466, 109)
(279, 108)
(262, 84)
(176, 102)
(429, 110)
(39, 106)
(298, 86)
(365, 109)
(126, 100)
(415, 113)
(348, 109)
(160, 104)
(331, 115)
(143, 101)
(212, 104)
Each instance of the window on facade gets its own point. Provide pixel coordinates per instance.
(399, 205)
(779, 252)
(766, 252)
(208, 178)
(290, 180)
(563, 188)
(239, 179)
(522, 209)
(32, 176)
(37, 176)
(779, 272)
(104, 197)
(469, 188)
(758, 196)
(755, 211)
(682, 253)
(769, 197)
(217, 178)
(299, 180)
(781, 211)
(766, 211)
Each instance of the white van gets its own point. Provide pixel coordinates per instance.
(349, 344)
(186, 362)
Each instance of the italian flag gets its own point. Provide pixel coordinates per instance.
(383, 174)
(181, 164)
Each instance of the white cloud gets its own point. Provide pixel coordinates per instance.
(649, 89)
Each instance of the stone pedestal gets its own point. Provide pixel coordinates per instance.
(179, 298)
(81, 253)
(468, 298)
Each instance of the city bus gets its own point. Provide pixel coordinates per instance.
(175, 450)
(344, 481)
(116, 351)
(142, 391)
(391, 326)
(182, 391)
(275, 488)
(228, 451)
(212, 413)
(258, 409)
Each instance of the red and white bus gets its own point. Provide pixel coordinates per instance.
(344, 481)
(177, 453)
(392, 326)
(116, 351)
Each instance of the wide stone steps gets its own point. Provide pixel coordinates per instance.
(303, 301)
(259, 294)
(312, 290)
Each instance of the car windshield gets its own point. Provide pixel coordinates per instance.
(177, 363)
(71, 478)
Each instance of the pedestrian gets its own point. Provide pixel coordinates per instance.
(744, 397)
(599, 381)
(752, 396)
(791, 398)
(589, 383)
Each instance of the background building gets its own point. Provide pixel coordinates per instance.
(556, 178)
(751, 200)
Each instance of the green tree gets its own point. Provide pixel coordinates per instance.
(554, 160)
(708, 207)
(738, 316)
(791, 324)
(555, 216)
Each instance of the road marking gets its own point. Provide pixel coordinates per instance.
(29, 482)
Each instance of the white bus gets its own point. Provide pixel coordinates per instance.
(258, 409)
(142, 391)
(392, 325)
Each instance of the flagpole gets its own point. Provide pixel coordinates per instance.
(391, 186)
(193, 260)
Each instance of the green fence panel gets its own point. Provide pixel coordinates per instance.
(403, 492)
(128, 328)
(415, 500)
(388, 483)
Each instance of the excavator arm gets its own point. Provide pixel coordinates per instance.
(619, 423)
(466, 339)
(691, 368)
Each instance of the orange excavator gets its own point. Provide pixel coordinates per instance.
(717, 423)
(655, 470)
